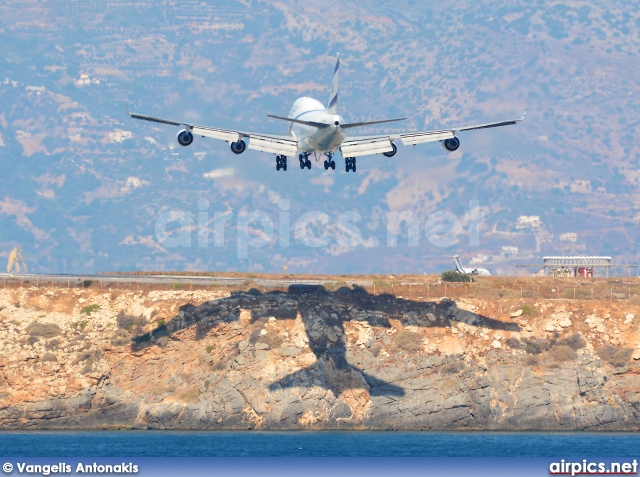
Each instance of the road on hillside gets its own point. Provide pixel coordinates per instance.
(78, 280)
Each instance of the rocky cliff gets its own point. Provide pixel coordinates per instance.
(84, 359)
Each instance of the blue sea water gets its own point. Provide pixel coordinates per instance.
(317, 444)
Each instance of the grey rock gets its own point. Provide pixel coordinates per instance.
(290, 351)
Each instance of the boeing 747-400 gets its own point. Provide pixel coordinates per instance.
(314, 129)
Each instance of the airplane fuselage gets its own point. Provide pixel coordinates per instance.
(313, 139)
(470, 271)
(477, 271)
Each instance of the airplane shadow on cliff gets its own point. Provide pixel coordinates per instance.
(323, 314)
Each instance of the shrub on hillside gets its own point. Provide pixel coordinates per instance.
(130, 323)
(375, 348)
(49, 356)
(190, 395)
(614, 356)
(272, 339)
(359, 289)
(453, 367)
(163, 341)
(88, 357)
(43, 330)
(562, 353)
(514, 343)
(536, 345)
(52, 345)
(121, 338)
(81, 325)
(87, 310)
(575, 342)
(454, 276)
(249, 287)
(285, 312)
(409, 341)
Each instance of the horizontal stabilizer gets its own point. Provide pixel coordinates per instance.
(370, 123)
(300, 121)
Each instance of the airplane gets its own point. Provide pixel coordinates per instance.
(483, 272)
(319, 130)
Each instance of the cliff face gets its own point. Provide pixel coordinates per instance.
(79, 359)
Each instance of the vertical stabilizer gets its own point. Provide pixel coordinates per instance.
(333, 98)
(459, 266)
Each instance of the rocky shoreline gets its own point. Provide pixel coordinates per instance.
(87, 359)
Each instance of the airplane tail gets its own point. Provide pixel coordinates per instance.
(459, 266)
(333, 98)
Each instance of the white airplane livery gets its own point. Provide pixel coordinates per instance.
(321, 131)
(470, 271)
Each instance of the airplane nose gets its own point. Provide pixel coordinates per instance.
(337, 123)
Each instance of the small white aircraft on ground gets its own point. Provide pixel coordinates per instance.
(470, 271)
(314, 129)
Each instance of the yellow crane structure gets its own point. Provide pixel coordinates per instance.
(15, 259)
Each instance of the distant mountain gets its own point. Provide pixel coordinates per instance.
(85, 188)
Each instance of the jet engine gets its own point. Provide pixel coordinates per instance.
(238, 147)
(185, 138)
(392, 152)
(451, 144)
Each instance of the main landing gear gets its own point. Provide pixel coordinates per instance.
(304, 161)
(281, 163)
(329, 163)
(350, 164)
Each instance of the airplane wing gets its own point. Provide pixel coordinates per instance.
(381, 143)
(277, 144)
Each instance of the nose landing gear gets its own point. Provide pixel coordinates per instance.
(329, 163)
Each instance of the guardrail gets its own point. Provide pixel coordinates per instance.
(109, 281)
(545, 290)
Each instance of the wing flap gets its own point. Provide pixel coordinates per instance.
(276, 146)
(412, 139)
(222, 134)
(366, 147)
(419, 137)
